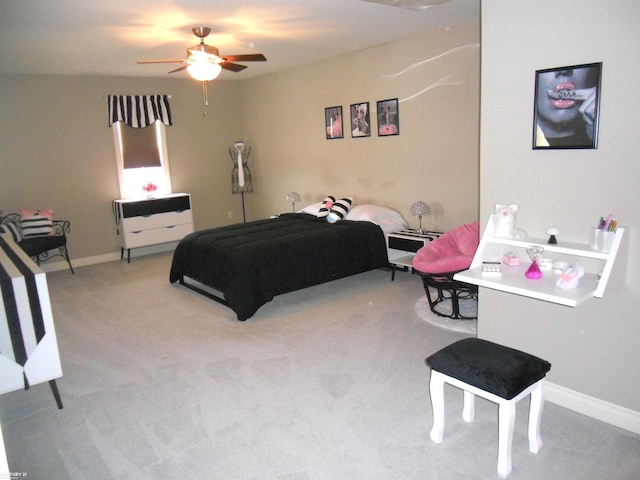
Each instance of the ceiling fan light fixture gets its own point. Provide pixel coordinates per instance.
(204, 71)
(203, 50)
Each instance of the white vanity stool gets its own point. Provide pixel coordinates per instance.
(500, 374)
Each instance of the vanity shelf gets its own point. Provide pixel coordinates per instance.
(598, 268)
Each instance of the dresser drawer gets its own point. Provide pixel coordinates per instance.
(144, 208)
(154, 236)
(406, 244)
(156, 220)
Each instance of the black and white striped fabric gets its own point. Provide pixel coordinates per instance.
(28, 345)
(334, 210)
(139, 111)
(35, 225)
(327, 203)
(13, 229)
(339, 209)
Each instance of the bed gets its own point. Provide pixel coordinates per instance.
(248, 264)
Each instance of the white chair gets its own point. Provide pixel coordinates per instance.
(497, 373)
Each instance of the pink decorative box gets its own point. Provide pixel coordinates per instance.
(510, 259)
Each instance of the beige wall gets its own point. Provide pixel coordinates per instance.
(593, 348)
(56, 150)
(434, 159)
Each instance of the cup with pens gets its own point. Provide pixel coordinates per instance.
(601, 238)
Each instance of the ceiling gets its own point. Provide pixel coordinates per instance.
(87, 37)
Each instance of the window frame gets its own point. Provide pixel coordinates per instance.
(131, 180)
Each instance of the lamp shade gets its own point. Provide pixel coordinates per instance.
(292, 198)
(419, 208)
(204, 71)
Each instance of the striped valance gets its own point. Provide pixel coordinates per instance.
(139, 111)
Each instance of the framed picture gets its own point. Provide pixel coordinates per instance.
(388, 118)
(360, 120)
(566, 107)
(333, 122)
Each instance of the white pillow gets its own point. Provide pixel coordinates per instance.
(312, 209)
(377, 214)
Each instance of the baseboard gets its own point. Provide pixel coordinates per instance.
(593, 407)
(108, 257)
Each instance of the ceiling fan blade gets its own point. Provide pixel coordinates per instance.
(234, 67)
(179, 69)
(160, 61)
(253, 57)
(206, 53)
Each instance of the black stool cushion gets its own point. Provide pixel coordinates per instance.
(491, 367)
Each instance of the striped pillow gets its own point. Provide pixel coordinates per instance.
(327, 203)
(339, 210)
(36, 223)
(13, 229)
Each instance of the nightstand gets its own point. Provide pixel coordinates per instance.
(403, 245)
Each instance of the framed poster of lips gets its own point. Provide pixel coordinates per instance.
(566, 107)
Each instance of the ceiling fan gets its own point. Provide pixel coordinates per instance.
(204, 62)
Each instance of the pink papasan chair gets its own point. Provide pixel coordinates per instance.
(438, 261)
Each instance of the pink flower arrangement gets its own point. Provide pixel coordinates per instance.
(149, 187)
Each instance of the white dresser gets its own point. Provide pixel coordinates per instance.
(144, 222)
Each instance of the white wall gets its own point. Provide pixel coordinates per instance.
(593, 348)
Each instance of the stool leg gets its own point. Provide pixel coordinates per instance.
(535, 415)
(469, 411)
(436, 389)
(506, 419)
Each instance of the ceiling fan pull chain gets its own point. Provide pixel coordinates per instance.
(205, 98)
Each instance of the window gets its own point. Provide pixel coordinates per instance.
(141, 154)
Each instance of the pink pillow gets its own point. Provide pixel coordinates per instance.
(452, 252)
(26, 212)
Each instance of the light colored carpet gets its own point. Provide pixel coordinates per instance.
(467, 308)
(325, 383)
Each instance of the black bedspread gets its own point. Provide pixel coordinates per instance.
(250, 263)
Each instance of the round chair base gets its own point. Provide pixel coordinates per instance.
(447, 290)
